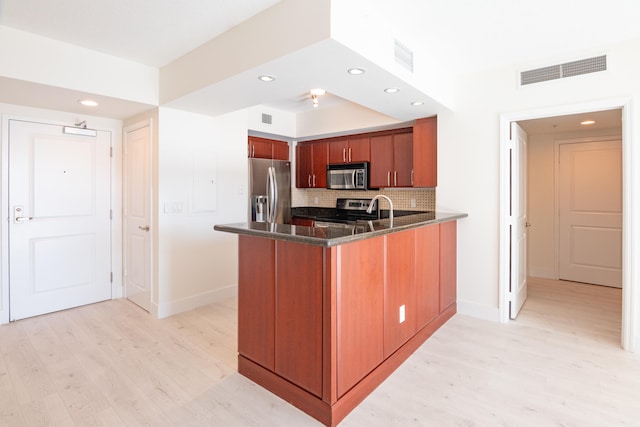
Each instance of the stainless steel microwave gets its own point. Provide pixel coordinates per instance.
(348, 176)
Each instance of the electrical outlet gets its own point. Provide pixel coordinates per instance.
(315, 200)
(413, 203)
(402, 316)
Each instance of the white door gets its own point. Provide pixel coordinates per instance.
(590, 204)
(60, 226)
(518, 223)
(137, 205)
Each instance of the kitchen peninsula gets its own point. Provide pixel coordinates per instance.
(325, 314)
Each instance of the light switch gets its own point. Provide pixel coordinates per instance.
(402, 317)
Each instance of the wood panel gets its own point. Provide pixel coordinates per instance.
(381, 161)
(338, 150)
(298, 308)
(359, 310)
(359, 147)
(304, 165)
(256, 303)
(448, 250)
(399, 290)
(320, 161)
(427, 273)
(280, 150)
(403, 159)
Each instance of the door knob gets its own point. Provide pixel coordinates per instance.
(145, 228)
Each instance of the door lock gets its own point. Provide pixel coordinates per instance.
(145, 228)
(17, 215)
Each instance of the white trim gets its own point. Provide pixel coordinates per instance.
(185, 304)
(631, 208)
(478, 311)
(543, 273)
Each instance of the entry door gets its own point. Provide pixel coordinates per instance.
(590, 186)
(137, 205)
(60, 227)
(518, 224)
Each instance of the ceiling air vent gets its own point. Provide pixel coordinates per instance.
(266, 118)
(560, 71)
(403, 55)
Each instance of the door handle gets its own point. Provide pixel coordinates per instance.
(17, 218)
(145, 228)
(20, 219)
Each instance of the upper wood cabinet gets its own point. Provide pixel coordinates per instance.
(311, 164)
(264, 148)
(392, 159)
(425, 152)
(351, 149)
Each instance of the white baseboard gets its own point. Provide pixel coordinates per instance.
(479, 311)
(543, 273)
(170, 308)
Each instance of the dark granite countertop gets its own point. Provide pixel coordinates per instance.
(338, 235)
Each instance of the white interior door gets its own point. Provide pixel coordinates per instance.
(137, 215)
(518, 224)
(60, 226)
(590, 204)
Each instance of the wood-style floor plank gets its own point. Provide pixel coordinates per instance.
(111, 364)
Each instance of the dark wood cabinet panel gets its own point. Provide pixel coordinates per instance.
(311, 165)
(399, 290)
(256, 300)
(358, 149)
(381, 161)
(264, 148)
(360, 311)
(403, 159)
(306, 222)
(448, 250)
(425, 152)
(427, 273)
(304, 165)
(298, 320)
(338, 150)
(320, 161)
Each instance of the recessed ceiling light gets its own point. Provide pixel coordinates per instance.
(417, 103)
(88, 102)
(356, 71)
(392, 90)
(266, 78)
(318, 92)
(587, 122)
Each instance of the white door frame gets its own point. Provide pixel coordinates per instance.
(630, 209)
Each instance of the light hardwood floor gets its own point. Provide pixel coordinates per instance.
(110, 364)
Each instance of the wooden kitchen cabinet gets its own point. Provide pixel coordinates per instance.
(352, 149)
(311, 164)
(427, 242)
(448, 264)
(360, 312)
(298, 323)
(256, 300)
(391, 159)
(400, 308)
(425, 152)
(264, 148)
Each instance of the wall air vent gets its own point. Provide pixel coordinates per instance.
(266, 118)
(561, 71)
(403, 55)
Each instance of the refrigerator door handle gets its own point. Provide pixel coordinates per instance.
(272, 195)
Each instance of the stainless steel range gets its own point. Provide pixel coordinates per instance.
(349, 212)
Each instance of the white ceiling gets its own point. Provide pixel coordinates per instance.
(463, 35)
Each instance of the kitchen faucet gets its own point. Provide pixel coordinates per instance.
(370, 208)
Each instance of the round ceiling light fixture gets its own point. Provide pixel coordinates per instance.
(266, 78)
(356, 71)
(417, 103)
(392, 90)
(88, 102)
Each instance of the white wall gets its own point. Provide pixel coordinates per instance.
(195, 264)
(469, 155)
(541, 238)
(8, 111)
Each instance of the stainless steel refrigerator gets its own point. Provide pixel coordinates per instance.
(270, 191)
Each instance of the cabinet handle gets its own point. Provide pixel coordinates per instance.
(344, 155)
(349, 155)
(395, 178)
(314, 180)
(309, 181)
(253, 150)
(412, 177)
(388, 178)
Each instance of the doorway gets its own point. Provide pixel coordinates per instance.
(629, 280)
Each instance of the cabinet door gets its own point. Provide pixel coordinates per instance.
(448, 237)
(400, 308)
(425, 152)
(320, 161)
(358, 150)
(256, 309)
(260, 148)
(427, 273)
(381, 161)
(338, 151)
(304, 165)
(402, 159)
(298, 314)
(359, 311)
(280, 150)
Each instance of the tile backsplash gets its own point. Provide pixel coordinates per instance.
(421, 199)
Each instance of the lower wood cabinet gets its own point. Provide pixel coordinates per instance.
(448, 251)
(427, 242)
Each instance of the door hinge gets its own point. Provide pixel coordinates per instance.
(111, 278)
